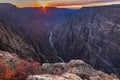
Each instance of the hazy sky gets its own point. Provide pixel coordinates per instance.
(61, 3)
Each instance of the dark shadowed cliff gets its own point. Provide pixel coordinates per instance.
(92, 34)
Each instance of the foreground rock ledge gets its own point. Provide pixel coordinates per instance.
(74, 70)
(66, 76)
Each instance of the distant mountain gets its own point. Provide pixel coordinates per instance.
(53, 34)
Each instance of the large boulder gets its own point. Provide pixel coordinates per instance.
(56, 68)
(82, 69)
(87, 72)
(74, 63)
(47, 68)
(60, 68)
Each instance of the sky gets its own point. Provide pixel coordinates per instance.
(60, 3)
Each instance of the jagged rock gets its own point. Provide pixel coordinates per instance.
(85, 71)
(9, 58)
(76, 67)
(55, 68)
(82, 69)
(60, 68)
(48, 68)
(66, 76)
(74, 63)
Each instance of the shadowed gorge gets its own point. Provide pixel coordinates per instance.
(32, 25)
(91, 34)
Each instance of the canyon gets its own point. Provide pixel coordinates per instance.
(91, 34)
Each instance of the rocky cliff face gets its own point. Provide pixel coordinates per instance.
(25, 31)
(12, 42)
(92, 34)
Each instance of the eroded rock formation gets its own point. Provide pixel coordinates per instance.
(74, 70)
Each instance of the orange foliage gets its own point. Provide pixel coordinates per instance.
(35, 68)
(9, 74)
(22, 70)
(5, 73)
(25, 68)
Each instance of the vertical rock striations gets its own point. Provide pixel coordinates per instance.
(92, 34)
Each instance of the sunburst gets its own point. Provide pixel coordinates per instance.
(43, 4)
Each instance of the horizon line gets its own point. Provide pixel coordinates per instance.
(71, 6)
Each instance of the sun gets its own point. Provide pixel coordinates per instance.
(43, 4)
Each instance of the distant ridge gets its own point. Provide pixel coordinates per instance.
(7, 5)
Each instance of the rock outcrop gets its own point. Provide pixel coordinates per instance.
(9, 58)
(66, 76)
(74, 70)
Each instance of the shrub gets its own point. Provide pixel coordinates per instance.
(25, 68)
(22, 70)
(35, 68)
(5, 72)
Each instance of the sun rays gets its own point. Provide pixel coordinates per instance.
(43, 3)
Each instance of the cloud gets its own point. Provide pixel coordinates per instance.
(77, 2)
(18, 1)
(54, 1)
(60, 2)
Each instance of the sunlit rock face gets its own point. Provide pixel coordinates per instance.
(92, 34)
